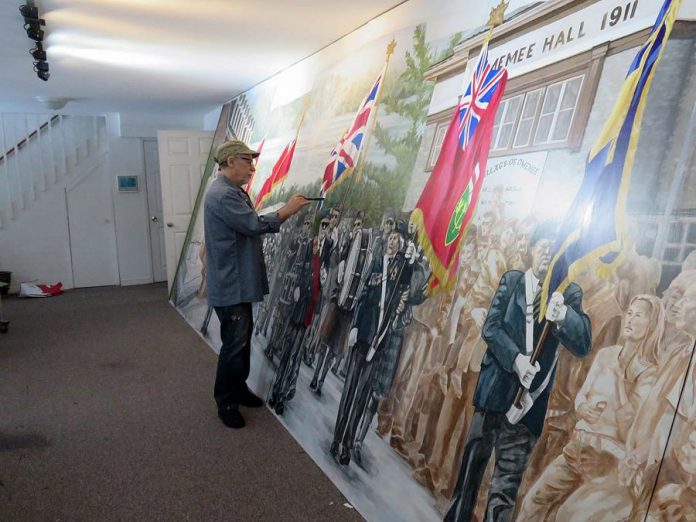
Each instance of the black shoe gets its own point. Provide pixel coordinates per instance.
(279, 408)
(250, 400)
(357, 454)
(313, 384)
(344, 458)
(271, 401)
(231, 418)
(334, 449)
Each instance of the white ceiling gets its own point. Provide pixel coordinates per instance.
(165, 55)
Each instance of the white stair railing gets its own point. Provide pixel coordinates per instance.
(37, 151)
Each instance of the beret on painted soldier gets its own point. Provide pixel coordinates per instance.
(233, 148)
(401, 228)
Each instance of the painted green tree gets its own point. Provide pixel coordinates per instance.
(409, 96)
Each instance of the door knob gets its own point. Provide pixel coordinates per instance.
(154, 219)
(170, 225)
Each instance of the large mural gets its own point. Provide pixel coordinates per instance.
(397, 371)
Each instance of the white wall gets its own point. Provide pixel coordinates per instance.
(35, 245)
(210, 120)
(143, 125)
(131, 209)
(130, 212)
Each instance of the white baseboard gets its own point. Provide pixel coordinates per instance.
(132, 282)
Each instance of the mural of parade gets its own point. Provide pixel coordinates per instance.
(458, 335)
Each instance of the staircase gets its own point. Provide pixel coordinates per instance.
(40, 152)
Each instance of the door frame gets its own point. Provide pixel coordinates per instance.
(153, 192)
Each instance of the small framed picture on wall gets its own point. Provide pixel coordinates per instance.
(128, 184)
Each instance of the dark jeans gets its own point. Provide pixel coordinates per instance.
(513, 443)
(236, 325)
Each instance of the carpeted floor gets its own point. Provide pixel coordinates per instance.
(106, 413)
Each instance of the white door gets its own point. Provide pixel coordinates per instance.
(92, 232)
(155, 214)
(182, 156)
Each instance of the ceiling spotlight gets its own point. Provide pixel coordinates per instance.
(30, 12)
(38, 52)
(44, 75)
(41, 66)
(34, 31)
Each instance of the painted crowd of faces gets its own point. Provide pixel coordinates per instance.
(609, 416)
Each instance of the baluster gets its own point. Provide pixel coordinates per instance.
(11, 166)
(6, 200)
(27, 169)
(51, 148)
(39, 145)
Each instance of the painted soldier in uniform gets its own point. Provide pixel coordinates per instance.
(510, 331)
(336, 323)
(379, 305)
(325, 246)
(391, 352)
(301, 311)
(284, 306)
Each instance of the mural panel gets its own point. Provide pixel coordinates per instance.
(401, 393)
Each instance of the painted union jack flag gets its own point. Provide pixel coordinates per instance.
(345, 154)
(484, 84)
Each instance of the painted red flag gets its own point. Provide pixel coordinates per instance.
(280, 171)
(447, 204)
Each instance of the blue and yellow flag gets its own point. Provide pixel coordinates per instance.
(591, 235)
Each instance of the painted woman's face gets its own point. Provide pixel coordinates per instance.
(636, 321)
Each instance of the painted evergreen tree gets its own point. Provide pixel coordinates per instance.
(409, 96)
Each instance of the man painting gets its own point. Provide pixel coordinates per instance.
(510, 331)
(236, 271)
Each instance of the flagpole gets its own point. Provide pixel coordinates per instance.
(363, 153)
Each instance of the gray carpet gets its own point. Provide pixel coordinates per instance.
(106, 413)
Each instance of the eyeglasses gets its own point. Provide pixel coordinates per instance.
(389, 222)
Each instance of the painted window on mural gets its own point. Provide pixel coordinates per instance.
(541, 116)
(529, 111)
(440, 132)
(505, 122)
(557, 111)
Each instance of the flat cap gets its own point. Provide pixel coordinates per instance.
(233, 148)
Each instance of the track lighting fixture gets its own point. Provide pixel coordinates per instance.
(41, 66)
(34, 31)
(32, 25)
(38, 52)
